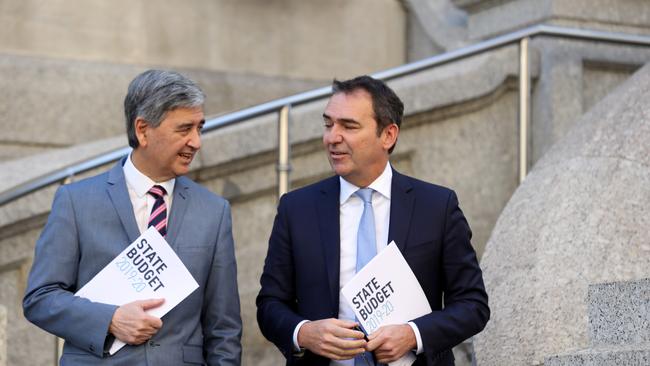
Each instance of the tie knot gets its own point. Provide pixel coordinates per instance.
(157, 191)
(365, 194)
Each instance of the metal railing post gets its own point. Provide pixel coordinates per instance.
(58, 350)
(284, 151)
(524, 106)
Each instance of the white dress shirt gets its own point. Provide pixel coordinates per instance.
(350, 211)
(138, 185)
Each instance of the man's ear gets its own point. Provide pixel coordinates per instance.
(141, 131)
(389, 135)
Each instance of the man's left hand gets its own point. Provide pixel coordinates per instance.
(391, 342)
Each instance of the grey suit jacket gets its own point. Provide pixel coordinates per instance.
(90, 223)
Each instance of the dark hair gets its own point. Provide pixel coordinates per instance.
(154, 93)
(386, 105)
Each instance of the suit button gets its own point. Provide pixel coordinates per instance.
(153, 344)
(91, 348)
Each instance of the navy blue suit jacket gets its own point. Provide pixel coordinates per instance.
(301, 272)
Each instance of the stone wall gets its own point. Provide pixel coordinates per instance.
(295, 38)
(488, 18)
(45, 99)
(65, 64)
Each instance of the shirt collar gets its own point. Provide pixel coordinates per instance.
(140, 183)
(381, 185)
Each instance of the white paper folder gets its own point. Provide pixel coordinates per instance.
(147, 269)
(386, 292)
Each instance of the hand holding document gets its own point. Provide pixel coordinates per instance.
(385, 292)
(147, 269)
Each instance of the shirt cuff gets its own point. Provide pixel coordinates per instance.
(418, 338)
(296, 347)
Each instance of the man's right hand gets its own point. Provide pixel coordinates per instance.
(132, 325)
(332, 338)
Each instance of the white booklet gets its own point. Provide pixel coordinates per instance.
(147, 269)
(386, 292)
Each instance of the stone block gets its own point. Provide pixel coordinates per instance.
(619, 313)
(488, 18)
(293, 38)
(637, 355)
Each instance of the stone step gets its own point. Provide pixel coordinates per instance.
(635, 355)
(619, 313)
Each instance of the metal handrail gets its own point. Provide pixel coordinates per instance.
(276, 105)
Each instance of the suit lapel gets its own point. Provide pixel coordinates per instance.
(121, 202)
(179, 207)
(328, 221)
(401, 209)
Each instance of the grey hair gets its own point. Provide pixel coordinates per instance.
(154, 93)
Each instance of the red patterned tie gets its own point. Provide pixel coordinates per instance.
(158, 217)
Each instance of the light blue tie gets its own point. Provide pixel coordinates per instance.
(366, 249)
(366, 243)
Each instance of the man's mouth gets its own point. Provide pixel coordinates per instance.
(186, 156)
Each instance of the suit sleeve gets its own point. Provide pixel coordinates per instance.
(276, 301)
(466, 310)
(221, 320)
(49, 300)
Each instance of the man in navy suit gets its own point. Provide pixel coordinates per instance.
(313, 246)
(94, 219)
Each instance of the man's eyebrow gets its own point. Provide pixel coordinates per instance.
(342, 120)
(190, 124)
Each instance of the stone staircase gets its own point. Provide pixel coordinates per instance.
(619, 327)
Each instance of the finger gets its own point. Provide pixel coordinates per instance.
(342, 346)
(344, 323)
(348, 333)
(151, 303)
(154, 322)
(374, 344)
(351, 344)
(345, 354)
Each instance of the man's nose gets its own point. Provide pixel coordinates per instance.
(333, 136)
(195, 140)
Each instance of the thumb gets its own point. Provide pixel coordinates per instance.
(151, 303)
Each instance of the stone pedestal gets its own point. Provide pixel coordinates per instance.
(579, 218)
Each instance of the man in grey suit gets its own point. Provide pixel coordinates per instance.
(93, 220)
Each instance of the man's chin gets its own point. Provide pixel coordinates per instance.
(340, 171)
(181, 170)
